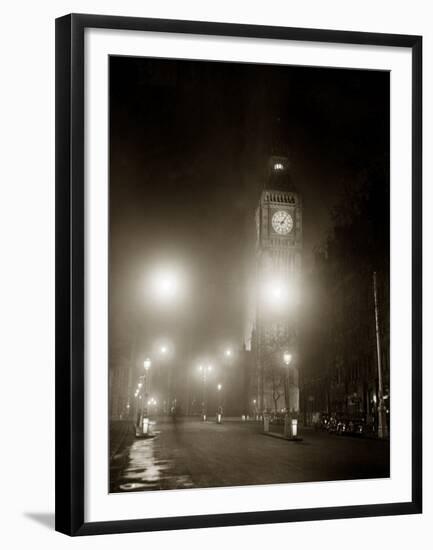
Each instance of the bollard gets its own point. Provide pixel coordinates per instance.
(294, 427)
(266, 423)
(243, 418)
(219, 417)
(204, 418)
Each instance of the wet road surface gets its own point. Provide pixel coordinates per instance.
(191, 453)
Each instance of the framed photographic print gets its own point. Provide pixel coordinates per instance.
(238, 274)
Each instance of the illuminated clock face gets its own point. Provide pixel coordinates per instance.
(282, 222)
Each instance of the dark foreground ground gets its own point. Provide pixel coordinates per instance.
(191, 453)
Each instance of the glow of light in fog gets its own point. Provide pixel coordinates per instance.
(165, 285)
(204, 369)
(219, 387)
(280, 293)
(147, 363)
(275, 293)
(163, 349)
(228, 352)
(287, 358)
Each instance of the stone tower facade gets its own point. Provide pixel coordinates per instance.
(278, 287)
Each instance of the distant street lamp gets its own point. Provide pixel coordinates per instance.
(205, 371)
(164, 350)
(228, 352)
(220, 404)
(147, 363)
(151, 401)
(287, 357)
(290, 423)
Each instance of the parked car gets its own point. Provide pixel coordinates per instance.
(351, 425)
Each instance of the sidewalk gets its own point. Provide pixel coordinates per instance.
(120, 430)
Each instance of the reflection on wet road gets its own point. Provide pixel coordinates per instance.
(145, 469)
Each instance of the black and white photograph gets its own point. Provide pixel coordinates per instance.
(249, 274)
(216, 253)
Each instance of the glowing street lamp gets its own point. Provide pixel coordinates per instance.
(228, 352)
(219, 387)
(204, 370)
(274, 294)
(287, 357)
(280, 293)
(290, 421)
(147, 363)
(165, 285)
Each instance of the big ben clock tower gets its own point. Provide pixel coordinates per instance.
(278, 274)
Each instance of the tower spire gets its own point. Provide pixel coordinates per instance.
(278, 176)
(278, 145)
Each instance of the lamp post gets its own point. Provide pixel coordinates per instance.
(382, 431)
(205, 371)
(147, 363)
(220, 408)
(165, 352)
(152, 402)
(290, 422)
(219, 388)
(227, 376)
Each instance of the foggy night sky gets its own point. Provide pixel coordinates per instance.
(189, 146)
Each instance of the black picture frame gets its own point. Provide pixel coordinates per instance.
(70, 283)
